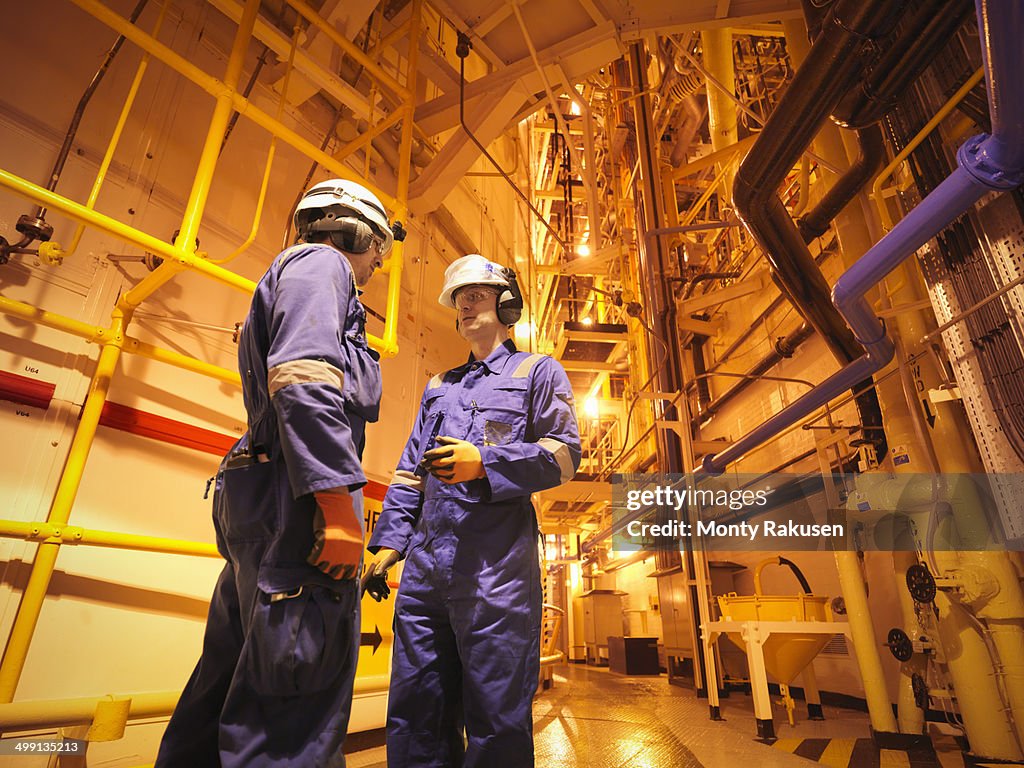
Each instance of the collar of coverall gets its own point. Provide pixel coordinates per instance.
(494, 362)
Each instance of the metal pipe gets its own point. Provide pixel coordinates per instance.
(60, 511)
(722, 124)
(464, 40)
(917, 43)
(83, 102)
(865, 646)
(115, 138)
(396, 261)
(271, 152)
(975, 177)
(869, 159)
(69, 534)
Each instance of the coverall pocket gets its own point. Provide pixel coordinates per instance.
(299, 642)
(362, 388)
(504, 413)
(246, 509)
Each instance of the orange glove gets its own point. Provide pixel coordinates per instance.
(338, 535)
(456, 461)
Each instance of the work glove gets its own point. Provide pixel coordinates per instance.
(337, 535)
(375, 577)
(455, 461)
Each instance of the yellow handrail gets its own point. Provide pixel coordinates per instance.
(931, 125)
(177, 257)
(108, 156)
(71, 534)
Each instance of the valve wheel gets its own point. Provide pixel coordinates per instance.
(899, 644)
(921, 583)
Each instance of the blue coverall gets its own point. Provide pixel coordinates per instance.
(468, 612)
(274, 684)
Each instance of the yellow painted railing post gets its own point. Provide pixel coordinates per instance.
(397, 259)
(46, 554)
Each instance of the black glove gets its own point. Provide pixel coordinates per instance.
(377, 587)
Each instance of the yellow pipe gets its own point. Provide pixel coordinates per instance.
(370, 134)
(216, 88)
(261, 198)
(718, 58)
(123, 232)
(96, 334)
(55, 713)
(46, 554)
(404, 93)
(714, 158)
(178, 360)
(70, 534)
(931, 125)
(86, 331)
(108, 156)
(47, 714)
(865, 646)
(396, 262)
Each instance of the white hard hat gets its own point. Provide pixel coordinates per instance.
(340, 199)
(473, 269)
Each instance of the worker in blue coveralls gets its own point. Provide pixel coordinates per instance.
(273, 686)
(489, 433)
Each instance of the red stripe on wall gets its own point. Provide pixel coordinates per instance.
(38, 394)
(374, 490)
(26, 391)
(166, 430)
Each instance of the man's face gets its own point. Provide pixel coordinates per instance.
(477, 306)
(364, 264)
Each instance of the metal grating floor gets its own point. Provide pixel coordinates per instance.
(594, 719)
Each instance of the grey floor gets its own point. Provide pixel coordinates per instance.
(594, 719)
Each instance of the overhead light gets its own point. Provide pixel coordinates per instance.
(590, 407)
(523, 330)
(574, 107)
(583, 250)
(587, 320)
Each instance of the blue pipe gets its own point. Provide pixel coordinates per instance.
(986, 163)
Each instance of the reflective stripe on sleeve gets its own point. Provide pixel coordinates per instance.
(561, 453)
(404, 477)
(523, 369)
(303, 372)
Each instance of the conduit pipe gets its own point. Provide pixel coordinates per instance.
(919, 40)
(115, 138)
(869, 160)
(986, 163)
(462, 51)
(83, 102)
(834, 62)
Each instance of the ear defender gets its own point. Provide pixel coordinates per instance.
(510, 302)
(348, 233)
